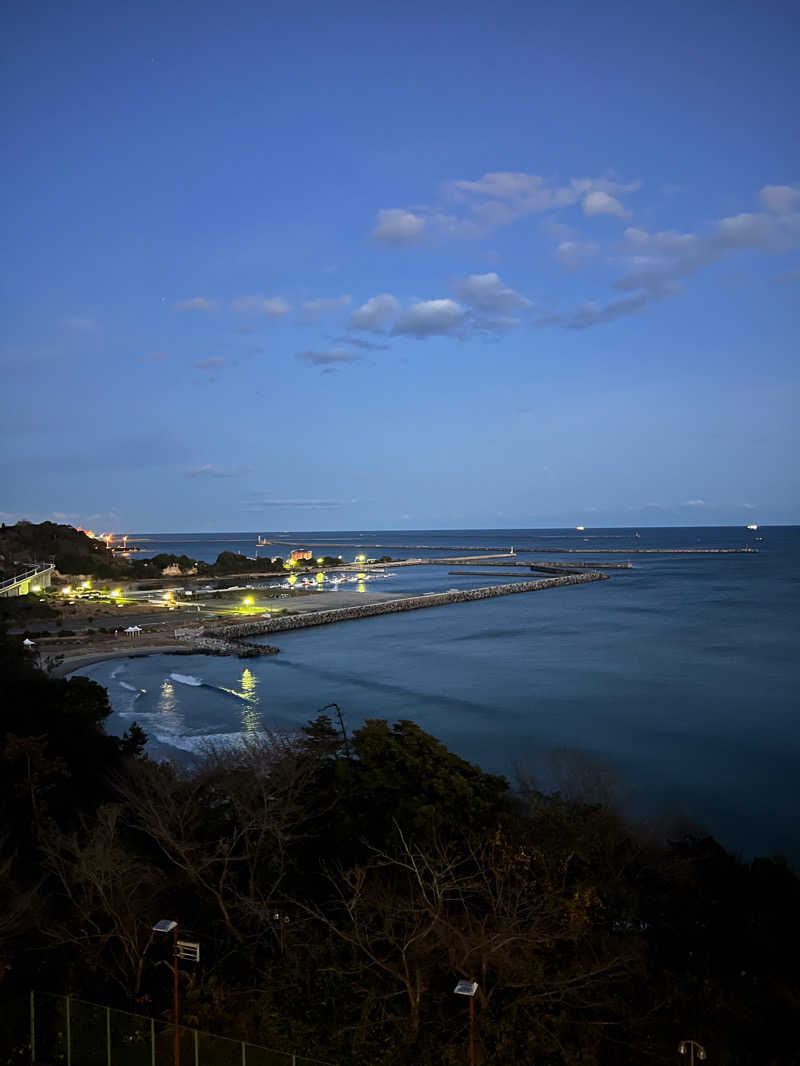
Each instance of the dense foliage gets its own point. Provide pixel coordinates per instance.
(73, 553)
(70, 549)
(341, 885)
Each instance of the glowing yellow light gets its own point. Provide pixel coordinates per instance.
(361, 577)
(116, 592)
(247, 601)
(36, 588)
(167, 595)
(361, 587)
(86, 584)
(292, 579)
(320, 577)
(320, 561)
(67, 589)
(361, 558)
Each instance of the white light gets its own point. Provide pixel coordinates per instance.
(466, 988)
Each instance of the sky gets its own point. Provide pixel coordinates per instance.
(361, 265)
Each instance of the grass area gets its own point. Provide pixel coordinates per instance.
(25, 608)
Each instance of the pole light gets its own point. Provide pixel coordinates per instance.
(469, 988)
(689, 1047)
(166, 925)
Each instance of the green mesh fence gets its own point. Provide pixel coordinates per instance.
(50, 1030)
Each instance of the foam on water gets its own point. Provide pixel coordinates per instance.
(198, 744)
(187, 679)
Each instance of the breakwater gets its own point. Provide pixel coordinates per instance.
(650, 551)
(408, 603)
(491, 559)
(394, 547)
(561, 567)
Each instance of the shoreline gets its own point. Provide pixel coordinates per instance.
(78, 662)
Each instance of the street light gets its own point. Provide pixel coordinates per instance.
(166, 925)
(690, 1046)
(469, 988)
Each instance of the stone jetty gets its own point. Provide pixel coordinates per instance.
(282, 623)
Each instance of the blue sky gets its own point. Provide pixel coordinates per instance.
(387, 266)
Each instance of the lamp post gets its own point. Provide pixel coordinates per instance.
(691, 1046)
(168, 926)
(469, 988)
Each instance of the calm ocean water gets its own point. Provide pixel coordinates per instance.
(681, 672)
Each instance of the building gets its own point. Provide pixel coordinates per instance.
(300, 553)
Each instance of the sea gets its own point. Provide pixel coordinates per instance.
(674, 684)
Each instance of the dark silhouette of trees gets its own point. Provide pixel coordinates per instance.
(340, 885)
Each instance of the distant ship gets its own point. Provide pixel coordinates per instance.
(579, 529)
(753, 526)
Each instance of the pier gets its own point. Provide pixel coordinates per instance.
(646, 551)
(282, 623)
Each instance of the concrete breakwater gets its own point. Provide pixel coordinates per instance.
(395, 547)
(491, 559)
(561, 567)
(651, 551)
(408, 603)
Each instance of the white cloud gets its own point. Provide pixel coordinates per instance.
(274, 306)
(396, 226)
(524, 194)
(592, 314)
(209, 364)
(209, 470)
(486, 292)
(328, 358)
(312, 309)
(657, 261)
(428, 318)
(372, 315)
(573, 254)
(601, 203)
(496, 199)
(358, 342)
(693, 503)
(783, 199)
(197, 303)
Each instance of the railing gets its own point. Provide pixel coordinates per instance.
(64, 1031)
(17, 579)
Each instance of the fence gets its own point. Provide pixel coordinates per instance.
(35, 571)
(55, 1030)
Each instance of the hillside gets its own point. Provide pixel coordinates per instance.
(71, 550)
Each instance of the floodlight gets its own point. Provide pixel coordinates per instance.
(466, 988)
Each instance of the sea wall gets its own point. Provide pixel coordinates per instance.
(409, 603)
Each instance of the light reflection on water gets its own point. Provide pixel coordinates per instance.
(680, 671)
(251, 717)
(166, 698)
